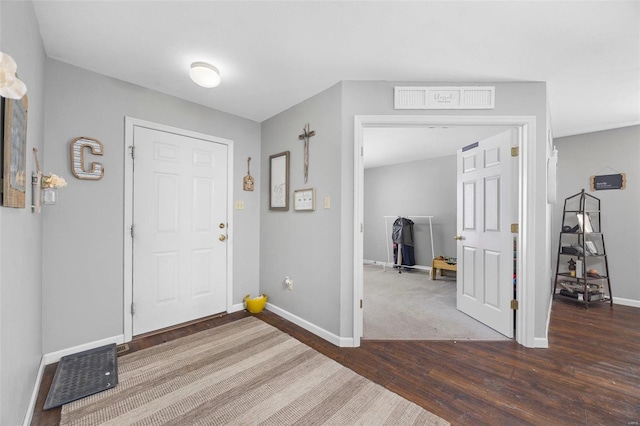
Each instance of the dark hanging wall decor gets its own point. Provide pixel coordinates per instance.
(615, 181)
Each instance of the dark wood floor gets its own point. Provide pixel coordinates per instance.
(590, 375)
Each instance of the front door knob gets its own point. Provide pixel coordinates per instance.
(458, 237)
(222, 237)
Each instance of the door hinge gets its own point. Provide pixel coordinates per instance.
(133, 311)
(132, 148)
(362, 151)
(515, 151)
(515, 228)
(360, 303)
(131, 231)
(361, 227)
(514, 304)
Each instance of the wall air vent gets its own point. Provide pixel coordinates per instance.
(440, 97)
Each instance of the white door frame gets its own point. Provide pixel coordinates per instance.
(130, 124)
(526, 126)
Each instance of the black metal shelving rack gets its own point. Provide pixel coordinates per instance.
(582, 231)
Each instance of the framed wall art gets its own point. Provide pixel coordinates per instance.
(304, 199)
(14, 152)
(279, 181)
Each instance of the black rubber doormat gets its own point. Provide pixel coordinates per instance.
(83, 374)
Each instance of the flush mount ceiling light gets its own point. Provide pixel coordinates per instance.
(204, 74)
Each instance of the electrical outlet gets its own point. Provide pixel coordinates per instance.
(288, 282)
(239, 205)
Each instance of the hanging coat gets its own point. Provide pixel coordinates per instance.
(402, 232)
(408, 255)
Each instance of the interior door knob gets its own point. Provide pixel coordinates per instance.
(458, 237)
(222, 237)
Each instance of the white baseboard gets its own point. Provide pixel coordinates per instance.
(540, 342)
(390, 265)
(236, 308)
(52, 357)
(626, 302)
(34, 395)
(543, 342)
(343, 342)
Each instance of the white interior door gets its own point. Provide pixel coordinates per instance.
(180, 227)
(485, 242)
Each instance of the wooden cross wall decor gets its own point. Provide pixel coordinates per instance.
(306, 134)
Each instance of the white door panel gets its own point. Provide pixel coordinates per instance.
(485, 277)
(180, 198)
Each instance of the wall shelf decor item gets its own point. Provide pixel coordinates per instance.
(444, 97)
(248, 181)
(304, 199)
(14, 152)
(78, 165)
(615, 181)
(45, 187)
(306, 134)
(279, 181)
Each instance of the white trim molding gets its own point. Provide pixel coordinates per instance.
(626, 302)
(34, 394)
(343, 342)
(53, 357)
(236, 308)
(540, 342)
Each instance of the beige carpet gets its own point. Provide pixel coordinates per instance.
(243, 373)
(409, 306)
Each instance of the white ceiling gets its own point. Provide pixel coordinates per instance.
(272, 55)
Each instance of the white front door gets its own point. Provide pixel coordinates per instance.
(485, 243)
(180, 227)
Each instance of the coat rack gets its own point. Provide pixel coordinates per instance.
(386, 231)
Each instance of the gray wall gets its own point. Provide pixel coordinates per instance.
(317, 250)
(602, 153)
(21, 230)
(421, 188)
(512, 99)
(84, 233)
(300, 244)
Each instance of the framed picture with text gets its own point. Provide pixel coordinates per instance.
(304, 199)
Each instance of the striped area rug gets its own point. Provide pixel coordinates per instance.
(242, 373)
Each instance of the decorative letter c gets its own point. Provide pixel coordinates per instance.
(77, 158)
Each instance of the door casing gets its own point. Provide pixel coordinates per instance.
(130, 124)
(526, 130)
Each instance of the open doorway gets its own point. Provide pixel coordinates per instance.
(524, 127)
(410, 183)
